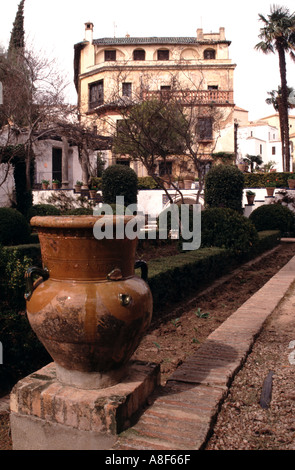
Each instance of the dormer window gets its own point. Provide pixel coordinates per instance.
(110, 55)
(163, 54)
(209, 54)
(139, 54)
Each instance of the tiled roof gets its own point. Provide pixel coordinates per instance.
(154, 40)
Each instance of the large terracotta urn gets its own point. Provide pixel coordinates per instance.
(87, 306)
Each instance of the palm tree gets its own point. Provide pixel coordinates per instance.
(275, 99)
(278, 35)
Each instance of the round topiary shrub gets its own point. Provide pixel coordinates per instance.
(14, 228)
(119, 180)
(273, 217)
(42, 210)
(224, 186)
(227, 228)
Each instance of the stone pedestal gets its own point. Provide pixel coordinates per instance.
(48, 415)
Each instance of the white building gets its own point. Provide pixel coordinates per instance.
(260, 138)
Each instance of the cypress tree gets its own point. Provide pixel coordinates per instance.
(17, 37)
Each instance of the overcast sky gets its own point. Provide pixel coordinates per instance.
(55, 26)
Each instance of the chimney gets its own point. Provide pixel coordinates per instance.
(222, 34)
(200, 35)
(89, 32)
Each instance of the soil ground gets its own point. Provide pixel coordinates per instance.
(242, 423)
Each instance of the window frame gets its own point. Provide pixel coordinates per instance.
(92, 104)
(211, 53)
(164, 53)
(204, 129)
(139, 51)
(111, 52)
(127, 86)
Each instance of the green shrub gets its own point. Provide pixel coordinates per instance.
(13, 266)
(147, 182)
(14, 228)
(259, 180)
(227, 228)
(23, 353)
(224, 186)
(194, 270)
(119, 180)
(79, 211)
(273, 217)
(172, 279)
(42, 210)
(96, 181)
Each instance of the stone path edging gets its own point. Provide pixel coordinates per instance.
(183, 412)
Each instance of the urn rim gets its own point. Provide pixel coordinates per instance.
(76, 221)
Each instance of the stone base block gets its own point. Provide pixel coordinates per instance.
(48, 415)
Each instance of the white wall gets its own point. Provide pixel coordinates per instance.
(259, 140)
(7, 186)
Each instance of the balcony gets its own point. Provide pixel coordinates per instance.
(193, 97)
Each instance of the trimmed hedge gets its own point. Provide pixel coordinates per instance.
(259, 180)
(42, 210)
(14, 228)
(227, 228)
(119, 180)
(273, 217)
(173, 278)
(224, 186)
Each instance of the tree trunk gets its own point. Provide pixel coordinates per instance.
(28, 167)
(284, 105)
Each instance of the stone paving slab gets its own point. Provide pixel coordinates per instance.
(184, 411)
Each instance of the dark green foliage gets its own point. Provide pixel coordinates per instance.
(17, 155)
(17, 37)
(224, 186)
(154, 127)
(147, 182)
(42, 210)
(173, 278)
(273, 217)
(119, 180)
(24, 197)
(22, 351)
(13, 266)
(31, 251)
(260, 180)
(14, 229)
(227, 228)
(79, 211)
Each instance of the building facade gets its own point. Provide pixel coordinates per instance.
(260, 138)
(112, 72)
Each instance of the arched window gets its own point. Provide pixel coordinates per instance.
(139, 54)
(163, 54)
(209, 54)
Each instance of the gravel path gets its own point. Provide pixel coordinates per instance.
(243, 424)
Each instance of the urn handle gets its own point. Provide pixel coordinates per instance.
(44, 273)
(144, 269)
